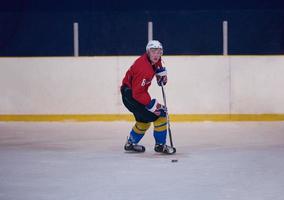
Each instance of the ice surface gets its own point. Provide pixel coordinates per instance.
(84, 161)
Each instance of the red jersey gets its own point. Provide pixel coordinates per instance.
(139, 77)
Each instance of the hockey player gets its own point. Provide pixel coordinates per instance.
(137, 100)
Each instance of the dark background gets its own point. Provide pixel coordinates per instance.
(109, 27)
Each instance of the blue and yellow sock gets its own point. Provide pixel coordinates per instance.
(160, 130)
(138, 131)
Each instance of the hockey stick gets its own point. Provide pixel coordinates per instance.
(168, 119)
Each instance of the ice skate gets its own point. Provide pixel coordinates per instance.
(163, 148)
(130, 147)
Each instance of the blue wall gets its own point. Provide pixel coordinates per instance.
(46, 32)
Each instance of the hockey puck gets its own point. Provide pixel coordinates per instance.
(174, 160)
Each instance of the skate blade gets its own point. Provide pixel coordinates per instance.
(135, 150)
(172, 150)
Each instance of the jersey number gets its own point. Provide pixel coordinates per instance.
(143, 82)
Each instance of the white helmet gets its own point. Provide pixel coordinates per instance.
(154, 44)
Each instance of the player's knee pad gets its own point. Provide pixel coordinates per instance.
(141, 128)
(160, 124)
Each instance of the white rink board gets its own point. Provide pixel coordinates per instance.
(90, 85)
(257, 84)
(196, 85)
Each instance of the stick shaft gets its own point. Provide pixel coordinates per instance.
(168, 118)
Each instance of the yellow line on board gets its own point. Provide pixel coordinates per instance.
(128, 117)
(227, 117)
(67, 117)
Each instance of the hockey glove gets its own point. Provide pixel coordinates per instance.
(156, 108)
(161, 76)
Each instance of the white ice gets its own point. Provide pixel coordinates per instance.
(86, 161)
